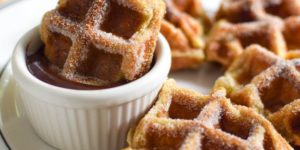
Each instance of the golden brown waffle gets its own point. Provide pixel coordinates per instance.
(287, 121)
(254, 60)
(183, 27)
(291, 33)
(273, 93)
(237, 11)
(255, 22)
(227, 41)
(184, 119)
(101, 41)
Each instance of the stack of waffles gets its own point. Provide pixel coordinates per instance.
(98, 42)
(255, 104)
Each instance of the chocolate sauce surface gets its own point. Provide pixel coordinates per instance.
(40, 67)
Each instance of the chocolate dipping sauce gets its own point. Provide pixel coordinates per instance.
(40, 67)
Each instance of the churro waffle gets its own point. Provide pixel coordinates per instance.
(287, 121)
(98, 42)
(250, 63)
(183, 27)
(291, 33)
(227, 41)
(274, 93)
(237, 11)
(273, 24)
(184, 119)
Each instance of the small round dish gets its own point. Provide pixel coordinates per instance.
(78, 119)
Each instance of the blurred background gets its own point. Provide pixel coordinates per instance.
(6, 2)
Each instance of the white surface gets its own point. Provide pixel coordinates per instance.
(201, 80)
(16, 19)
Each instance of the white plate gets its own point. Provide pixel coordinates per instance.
(20, 136)
(17, 19)
(14, 125)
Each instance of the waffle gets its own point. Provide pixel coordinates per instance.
(183, 27)
(286, 121)
(227, 41)
(274, 93)
(99, 42)
(274, 11)
(291, 33)
(251, 21)
(254, 60)
(184, 119)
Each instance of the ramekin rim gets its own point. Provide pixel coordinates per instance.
(146, 84)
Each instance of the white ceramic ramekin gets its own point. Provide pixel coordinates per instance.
(85, 120)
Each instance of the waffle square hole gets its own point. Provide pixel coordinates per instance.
(160, 136)
(225, 49)
(100, 64)
(75, 9)
(295, 123)
(184, 107)
(165, 141)
(235, 126)
(212, 144)
(259, 37)
(284, 9)
(122, 21)
(57, 48)
(297, 66)
(239, 15)
(255, 67)
(279, 93)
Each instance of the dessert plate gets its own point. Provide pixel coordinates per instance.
(15, 128)
(19, 135)
(16, 132)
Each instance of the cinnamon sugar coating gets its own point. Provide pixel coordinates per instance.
(183, 27)
(254, 60)
(287, 121)
(267, 84)
(244, 27)
(238, 11)
(184, 119)
(291, 33)
(99, 42)
(275, 93)
(227, 41)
